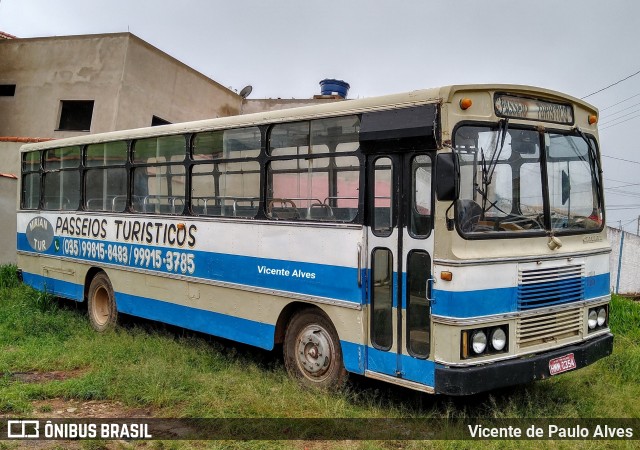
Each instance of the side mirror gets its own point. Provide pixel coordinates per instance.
(446, 179)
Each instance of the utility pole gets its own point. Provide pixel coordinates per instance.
(638, 233)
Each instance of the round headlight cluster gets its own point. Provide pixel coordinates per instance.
(597, 318)
(487, 340)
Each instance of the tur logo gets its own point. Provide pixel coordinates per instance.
(40, 234)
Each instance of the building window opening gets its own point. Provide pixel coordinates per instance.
(157, 121)
(7, 90)
(75, 115)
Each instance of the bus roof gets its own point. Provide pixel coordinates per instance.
(442, 94)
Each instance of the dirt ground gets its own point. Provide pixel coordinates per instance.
(59, 408)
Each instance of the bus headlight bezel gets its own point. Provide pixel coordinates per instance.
(498, 339)
(477, 342)
(597, 318)
(592, 319)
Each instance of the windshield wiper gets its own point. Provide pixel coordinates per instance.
(594, 157)
(487, 172)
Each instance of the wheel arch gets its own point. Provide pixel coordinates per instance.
(287, 314)
(89, 276)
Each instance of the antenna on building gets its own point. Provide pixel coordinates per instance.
(246, 91)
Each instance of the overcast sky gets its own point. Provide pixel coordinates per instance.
(283, 48)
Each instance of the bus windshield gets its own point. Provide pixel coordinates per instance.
(507, 184)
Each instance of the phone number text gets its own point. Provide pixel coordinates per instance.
(131, 255)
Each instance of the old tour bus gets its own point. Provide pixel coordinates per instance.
(449, 240)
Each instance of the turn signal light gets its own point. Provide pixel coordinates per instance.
(592, 119)
(465, 103)
(446, 276)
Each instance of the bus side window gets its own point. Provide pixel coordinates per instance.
(62, 179)
(382, 214)
(159, 181)
(421, 170)
(31, 180)
(418, 307)
(105, 182)
(382, 298)
(226, 189)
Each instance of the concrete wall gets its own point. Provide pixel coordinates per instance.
(8, 195)
(269, 104)
(10, 157)
(9, 164)
(625, 269)
(156, 84)
(129, 80)
(48, 70)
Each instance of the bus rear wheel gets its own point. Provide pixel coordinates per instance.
(103, 313)
(312, 352)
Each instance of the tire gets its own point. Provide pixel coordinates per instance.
(312, 352)
(103, 313)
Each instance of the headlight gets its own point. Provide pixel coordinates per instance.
(498, 339)
(486, 341)
(602, 316)
(478, 342)
(598, 318)
(592, 320)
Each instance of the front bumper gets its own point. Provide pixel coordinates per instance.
(471, 380)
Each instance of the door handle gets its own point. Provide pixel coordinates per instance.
(430, 282)
(359, 265)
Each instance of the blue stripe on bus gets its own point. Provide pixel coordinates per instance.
(354, 356)
(53, 286)
(412, 369)
(230, 327)
(318, 280)
(474, 303)
(330, 281)
(597, 286)
(486, 302)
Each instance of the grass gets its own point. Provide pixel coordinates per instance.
(176, 373)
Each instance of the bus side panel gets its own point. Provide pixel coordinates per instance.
(54, 286)
(230, 327)
(235, 314)
(354, 356)
(227, 279)
(50, 275)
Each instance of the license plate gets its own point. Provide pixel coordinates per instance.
(562, 364)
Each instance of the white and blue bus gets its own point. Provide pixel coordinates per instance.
(448, 240)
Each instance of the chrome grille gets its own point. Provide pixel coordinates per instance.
(548, 327)
(550, 286)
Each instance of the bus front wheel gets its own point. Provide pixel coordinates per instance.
(312, 352)
(103, 313)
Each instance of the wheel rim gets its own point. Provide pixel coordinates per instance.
(100, 306)
(314, 352)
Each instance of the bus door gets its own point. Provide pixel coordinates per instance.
(400, 245)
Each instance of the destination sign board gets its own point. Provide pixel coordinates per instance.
(532, 109)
